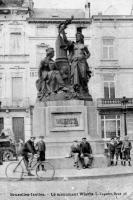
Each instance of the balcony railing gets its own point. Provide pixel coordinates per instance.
(14, 57)
(7, 102)
(101, 102)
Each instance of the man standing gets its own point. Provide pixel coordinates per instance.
(28, 148)
(41, 148)
(111, 149)
(86, 152)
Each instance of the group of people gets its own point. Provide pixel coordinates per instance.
(119, 149)
(81, 152)
(30, 147)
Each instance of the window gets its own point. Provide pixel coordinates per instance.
(109, 86)
(41, 30)
(108, 49)
(0, 39)
(16, 43)
(40, 54)
(0, 87)
(1, 124)
(33, 74)
(110, 126)
(17, 89)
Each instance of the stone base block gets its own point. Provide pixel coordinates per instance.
(62, 122)
(100, 161)
(61, 149)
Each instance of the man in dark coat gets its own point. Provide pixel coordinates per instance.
(41, 148)
(28, 148)
(111, 149)
(86, 152)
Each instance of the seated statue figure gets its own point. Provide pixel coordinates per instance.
(50, 80)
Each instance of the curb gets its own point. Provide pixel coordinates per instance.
(65, 178)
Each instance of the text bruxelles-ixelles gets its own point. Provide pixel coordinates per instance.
(27, 194)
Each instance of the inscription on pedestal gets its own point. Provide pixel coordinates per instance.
(71, 122)
(67, 121)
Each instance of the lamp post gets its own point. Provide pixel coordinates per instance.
(124, 102)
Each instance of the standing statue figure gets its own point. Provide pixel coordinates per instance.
(78, 55)
(50, 80)
(62, 61)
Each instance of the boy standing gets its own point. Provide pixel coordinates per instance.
(126, 148)
(118, 152)
(41, 148)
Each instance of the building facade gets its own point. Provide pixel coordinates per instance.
(27, 32)
(112, 45)
(15, 115)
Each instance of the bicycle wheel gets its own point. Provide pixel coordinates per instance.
(45, 171)
(14, 171)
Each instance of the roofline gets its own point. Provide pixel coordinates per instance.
(58, 20)
(82, 20)
(112, 17)
(14, 8)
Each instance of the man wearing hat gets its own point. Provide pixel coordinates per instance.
(41, 148)
(86, 153)
(111, 149)
(28, 148)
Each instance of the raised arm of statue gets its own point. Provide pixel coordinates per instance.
(63, 25)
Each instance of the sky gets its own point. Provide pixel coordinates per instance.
(116, 6)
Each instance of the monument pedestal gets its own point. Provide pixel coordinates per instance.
(61, 122)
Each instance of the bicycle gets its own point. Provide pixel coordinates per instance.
(44, 170)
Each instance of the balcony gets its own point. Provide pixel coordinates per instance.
(18, 103)
(109, 63)
(17, 58)
(113, 103)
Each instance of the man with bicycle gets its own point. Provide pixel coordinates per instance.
(28, 148)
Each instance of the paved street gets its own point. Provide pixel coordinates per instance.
(90, 184)
(92, 189)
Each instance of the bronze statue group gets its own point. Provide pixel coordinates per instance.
(67, 77)
(118, 149)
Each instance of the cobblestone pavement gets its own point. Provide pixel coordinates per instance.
(120, 188)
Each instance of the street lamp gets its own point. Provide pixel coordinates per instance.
(124, 102)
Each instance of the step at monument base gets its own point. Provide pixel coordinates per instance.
(100, 161)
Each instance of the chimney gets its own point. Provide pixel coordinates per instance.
(87, 10)
(132, 10)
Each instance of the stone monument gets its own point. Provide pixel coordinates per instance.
(64, 110)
